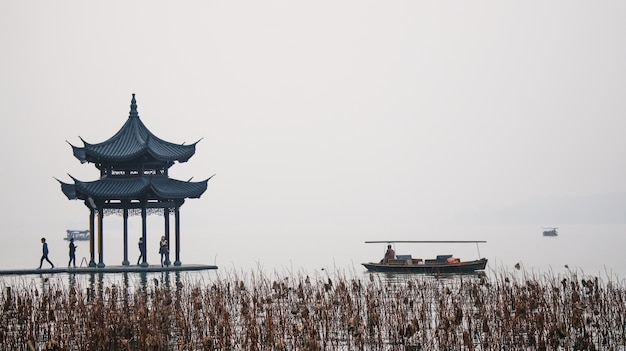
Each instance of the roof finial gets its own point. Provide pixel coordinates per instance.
(133, 107)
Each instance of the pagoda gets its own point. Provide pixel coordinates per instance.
(134, 181)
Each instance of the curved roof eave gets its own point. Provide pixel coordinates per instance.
(68, 189)
(165, 152)
(133, 188)
(134, 139)
(79, 152)
(177, 189)
(108, 188)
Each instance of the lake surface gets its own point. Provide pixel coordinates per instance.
(585, 249)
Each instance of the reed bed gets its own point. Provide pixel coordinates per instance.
(234, 311)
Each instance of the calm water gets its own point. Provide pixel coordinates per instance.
(589, 249)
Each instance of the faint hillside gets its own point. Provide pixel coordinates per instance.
(593, 209)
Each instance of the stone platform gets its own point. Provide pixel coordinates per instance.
(108, 269)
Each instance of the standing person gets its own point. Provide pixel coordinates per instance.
(389, 255)
(72, 253)
(45, 253)
(164, 251)
(142, 250)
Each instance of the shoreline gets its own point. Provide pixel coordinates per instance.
(109, 269)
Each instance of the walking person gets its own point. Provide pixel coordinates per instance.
(142, 250)
(45, 253)
(164, 250)
(72, 253)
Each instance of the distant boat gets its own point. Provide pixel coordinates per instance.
(440, 264)
(77, 234)
(550, 231)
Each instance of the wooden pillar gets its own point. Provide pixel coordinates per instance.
(125, 262)
(177, 233)
(100, 234)
(144, 263)
(166, 214)
(92, 235)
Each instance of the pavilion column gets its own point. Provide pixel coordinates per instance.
(144, 263)
(100, 254)
(92, 215)
(125, 216)
(166, 215)
(177, 229)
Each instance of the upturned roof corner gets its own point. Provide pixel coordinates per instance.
(134, 163)
(133, 141)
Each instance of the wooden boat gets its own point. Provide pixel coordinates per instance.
(550, 231)
(77, 234)
(440, 264)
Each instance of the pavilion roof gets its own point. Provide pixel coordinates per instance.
(132, 141)
(133, 188)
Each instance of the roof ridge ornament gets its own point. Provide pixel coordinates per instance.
(133, 107)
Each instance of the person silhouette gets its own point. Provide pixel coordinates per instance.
(390, 254)
(72, 253)
(44, 255)
(142, 250)
(164, 250)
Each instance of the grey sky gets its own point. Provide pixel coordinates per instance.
(339, 116)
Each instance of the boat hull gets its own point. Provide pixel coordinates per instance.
(550, 232)
(429, 268)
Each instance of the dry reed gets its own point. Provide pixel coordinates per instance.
(509, 311)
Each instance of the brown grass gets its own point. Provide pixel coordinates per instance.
(509, 311)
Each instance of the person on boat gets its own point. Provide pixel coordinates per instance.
(389, 255)
(44, 255)
(72, 253)
(142, 250)
(164, 251)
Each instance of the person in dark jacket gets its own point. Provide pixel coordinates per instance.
(44, 256)
(72, 253)
(142, 250)
(164, 250)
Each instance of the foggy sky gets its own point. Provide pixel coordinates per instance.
(323, 117)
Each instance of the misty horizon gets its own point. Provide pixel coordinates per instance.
(322, 120)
